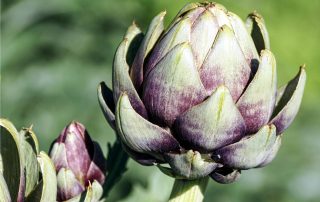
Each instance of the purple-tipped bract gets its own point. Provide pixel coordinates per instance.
(200, 95)
(78, 161)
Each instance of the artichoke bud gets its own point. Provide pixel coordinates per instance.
(78, 161)
(200, 96)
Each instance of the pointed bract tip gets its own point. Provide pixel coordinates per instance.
(101, 87)
(163, 13)
(134, 23)
(255, 14)
(267, 54)
(265, 51)
(302, 71)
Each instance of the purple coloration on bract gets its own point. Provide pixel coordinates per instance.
(253, 116)
(225, 175)
(74, 153)
(162, 98)
(141, 158)
(208, 126)
(22, 187)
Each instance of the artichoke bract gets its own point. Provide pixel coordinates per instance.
(200, 96)
(26, 174)
(79, 163)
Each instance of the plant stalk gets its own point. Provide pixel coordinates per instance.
(188, 190)
(116, 166)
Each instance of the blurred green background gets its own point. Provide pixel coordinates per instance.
(54, 54)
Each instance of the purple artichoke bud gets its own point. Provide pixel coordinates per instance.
(201, 95)
(78, 161)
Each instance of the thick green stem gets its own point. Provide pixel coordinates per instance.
(188, 190)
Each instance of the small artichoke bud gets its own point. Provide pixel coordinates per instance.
(200, 95)
(78, 160)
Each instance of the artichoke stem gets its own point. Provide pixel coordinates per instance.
(188, 190)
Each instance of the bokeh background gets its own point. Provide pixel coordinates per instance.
(55, 52)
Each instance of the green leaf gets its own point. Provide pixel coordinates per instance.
(29, 149)
(46, 190)
(49, 190)
(12, 162)
(31, 138)
(4, 192)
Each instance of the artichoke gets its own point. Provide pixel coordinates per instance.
(200, 96)
(25, 173)
(79, 163)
